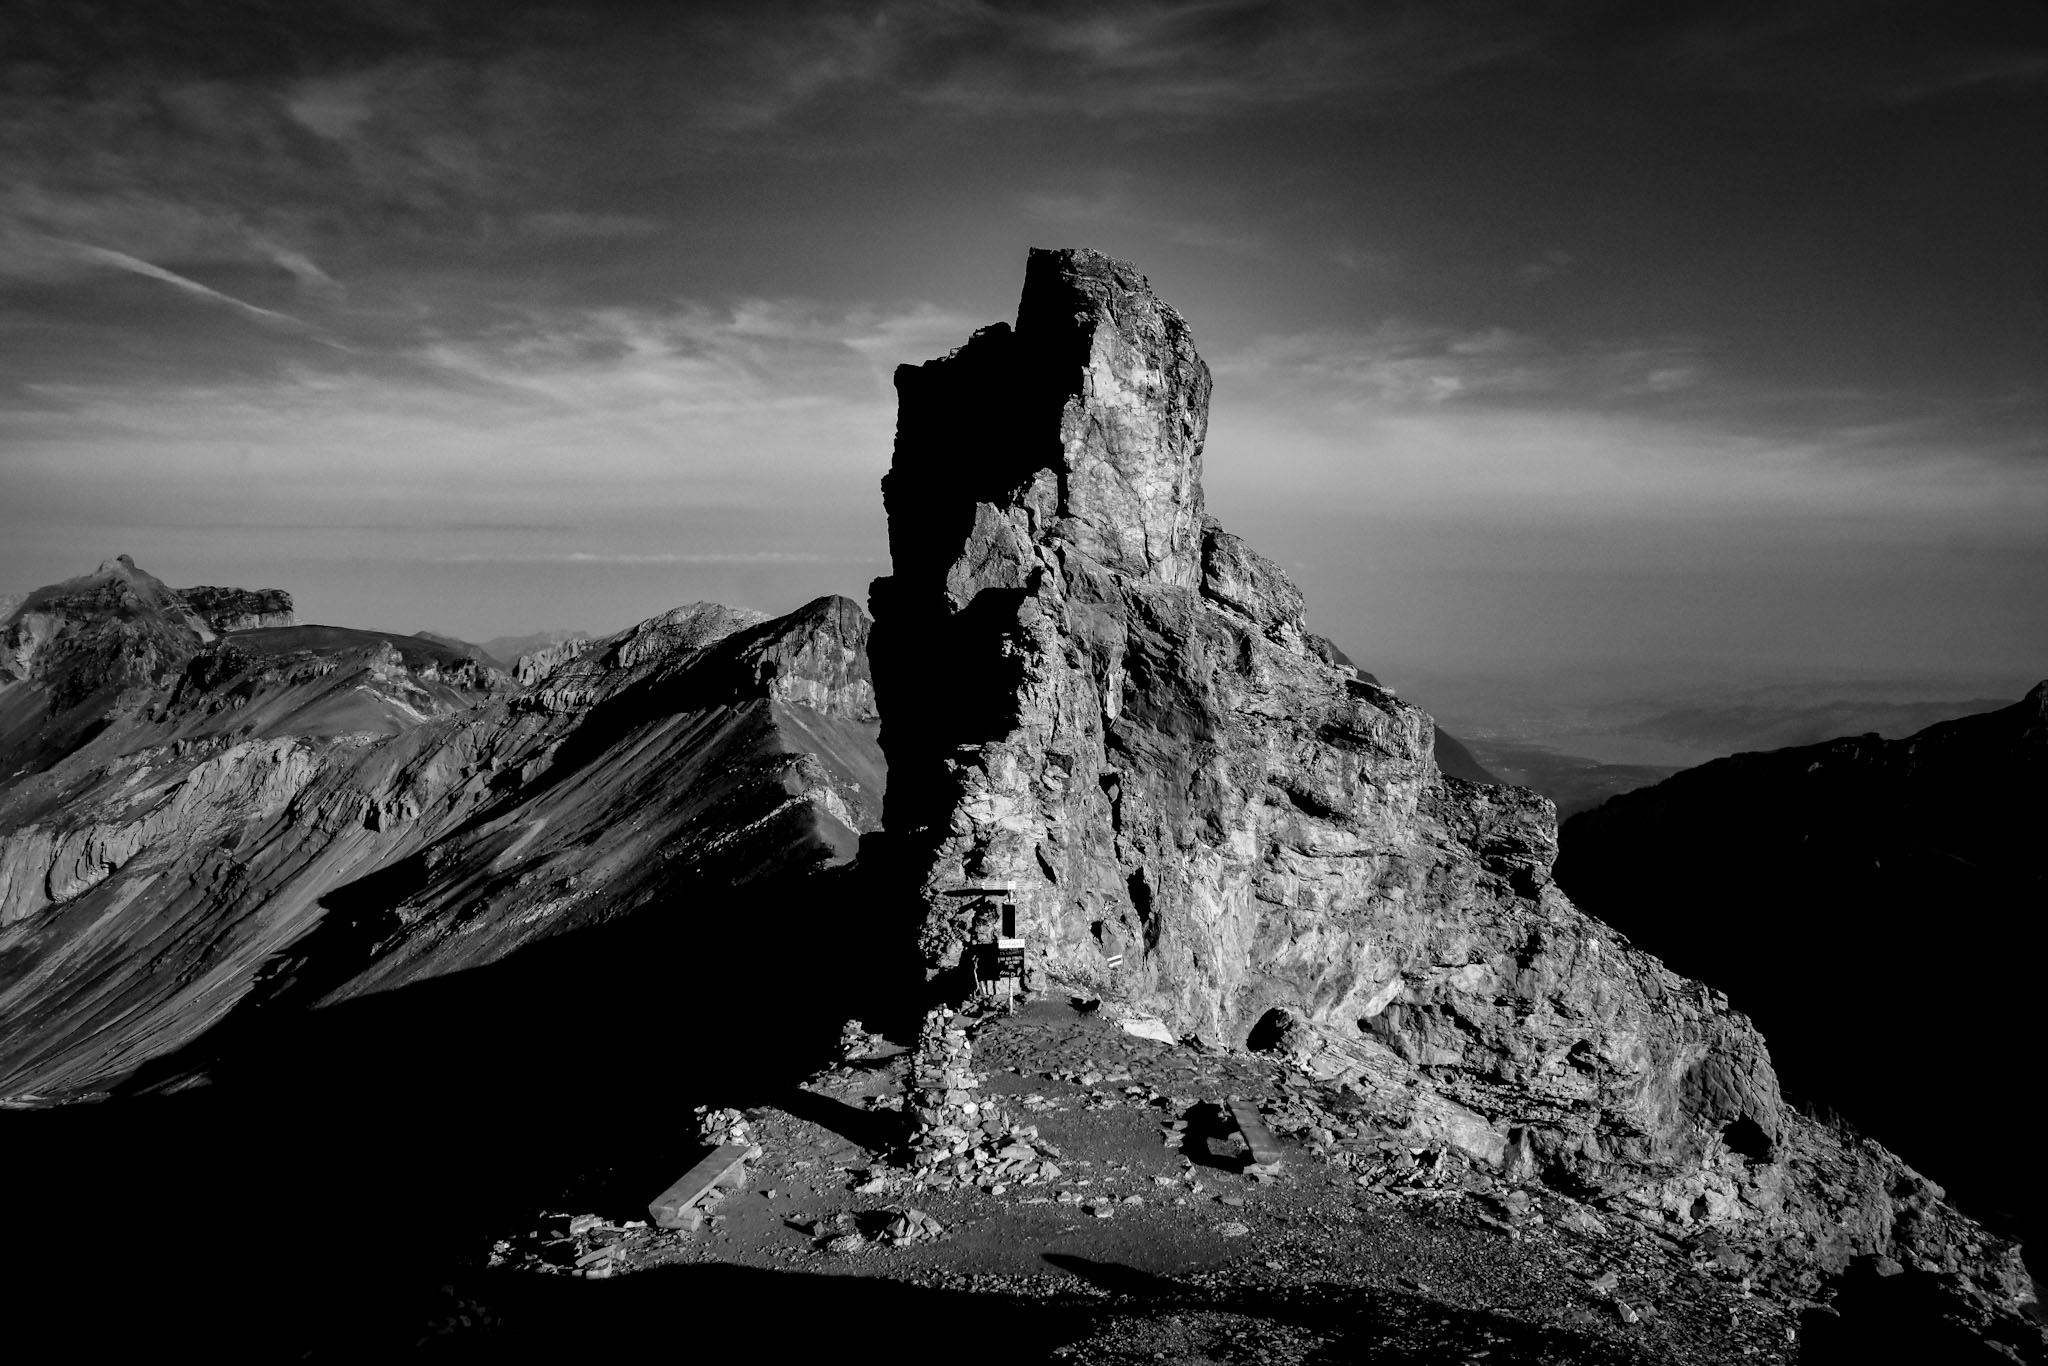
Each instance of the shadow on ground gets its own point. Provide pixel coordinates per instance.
(341, 1160)
(1113, 1313)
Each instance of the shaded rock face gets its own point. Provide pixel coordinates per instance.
(78, 658)
(271, 850)
(240, 609)
(1875, 874)
(74, 653)
(1091, 689)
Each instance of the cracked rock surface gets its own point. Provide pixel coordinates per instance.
(1091, 691)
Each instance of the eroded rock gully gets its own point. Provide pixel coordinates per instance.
(1090, 689)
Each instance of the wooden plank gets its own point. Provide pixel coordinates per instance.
(1265, 1152)
(667, 1208)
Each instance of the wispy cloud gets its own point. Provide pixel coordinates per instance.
(1830, 51)
(587, 412)
(1495, 423)
(1194, 61)
(120, 260)
(1548, 265)
(1374, 264)
(1408, 364)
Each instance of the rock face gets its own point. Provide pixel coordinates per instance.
(78, 658)
(240, 609)
(531, 668)
(1091, 690)
(1877, 871)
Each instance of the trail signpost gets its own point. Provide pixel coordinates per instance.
(1002, 962)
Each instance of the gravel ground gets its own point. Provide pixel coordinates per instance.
(1152, 1242)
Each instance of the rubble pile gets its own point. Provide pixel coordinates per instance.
(961, 1139)
(717, 1128)
(857, 1043)
(585, 1246)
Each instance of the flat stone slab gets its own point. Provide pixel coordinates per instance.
(671, 1208)
(1265, 1152)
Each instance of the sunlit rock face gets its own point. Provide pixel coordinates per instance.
(1091, 689)
(240, 609)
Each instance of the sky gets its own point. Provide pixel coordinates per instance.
(1630, 340)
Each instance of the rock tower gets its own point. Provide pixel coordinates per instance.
(1090, 689)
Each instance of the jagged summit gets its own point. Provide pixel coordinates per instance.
(1104, 409)
(240, 609)
(117, 658)
(1093, 692)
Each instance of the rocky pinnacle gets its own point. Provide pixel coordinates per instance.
(1092, 692)
(1090, 689)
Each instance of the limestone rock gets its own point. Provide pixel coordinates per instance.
(533, 667)
(240, 609)
(583, 676)
(1095, 694)
(1090, 688)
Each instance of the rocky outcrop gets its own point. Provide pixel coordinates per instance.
(77, 657)
(118, 618)
(1090, 690)
(532, 668)
(240, 609)
(573, 676)
(241, 785)
(1878, 872)
(320, 680)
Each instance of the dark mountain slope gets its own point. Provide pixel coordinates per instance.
(143, 896)
(1865, 900)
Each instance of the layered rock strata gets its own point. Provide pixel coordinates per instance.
(240, 609)
(258, 852)
(1090, 689)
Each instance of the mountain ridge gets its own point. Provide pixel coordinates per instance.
(244, 799)
(1847, 848)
